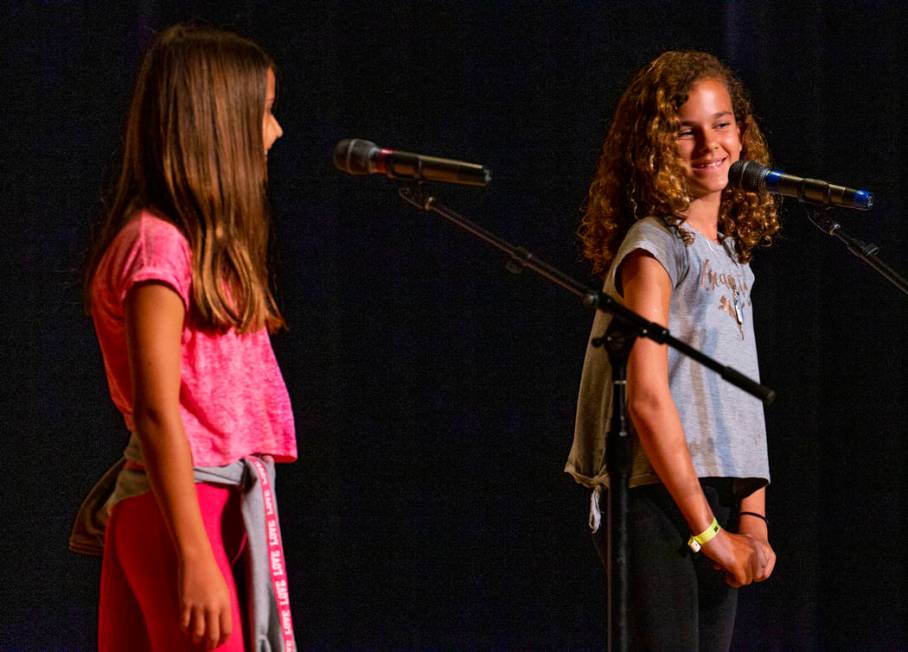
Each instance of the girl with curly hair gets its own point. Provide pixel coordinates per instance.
(673, 242)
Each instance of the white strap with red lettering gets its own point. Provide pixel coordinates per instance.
(275, 556)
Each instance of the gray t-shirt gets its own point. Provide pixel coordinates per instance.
(710, 309)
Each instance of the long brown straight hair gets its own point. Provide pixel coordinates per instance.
(193, 154)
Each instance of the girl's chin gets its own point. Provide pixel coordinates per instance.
(706, 194)
(707, 185)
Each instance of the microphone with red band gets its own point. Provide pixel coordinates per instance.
(751, 176)
(358, 157)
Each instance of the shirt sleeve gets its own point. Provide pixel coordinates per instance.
(658, 239)
(151, 249)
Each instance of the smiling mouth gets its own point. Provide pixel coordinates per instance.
(706, 165)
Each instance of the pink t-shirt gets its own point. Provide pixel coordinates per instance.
(233, 400)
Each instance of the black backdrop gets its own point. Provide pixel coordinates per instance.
(433, 391)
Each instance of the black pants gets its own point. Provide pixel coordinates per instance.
(676, 599)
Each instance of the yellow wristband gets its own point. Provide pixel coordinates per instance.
(696, 541)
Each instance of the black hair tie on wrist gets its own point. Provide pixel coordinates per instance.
(760, 516)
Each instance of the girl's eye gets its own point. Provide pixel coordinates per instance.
(723, 125)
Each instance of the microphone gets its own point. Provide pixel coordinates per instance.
(754, 177)
(356, 156)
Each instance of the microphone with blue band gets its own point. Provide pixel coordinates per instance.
(751, 176)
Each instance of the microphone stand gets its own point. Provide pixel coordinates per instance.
(823, 220)
(625, 327)
(618, 343)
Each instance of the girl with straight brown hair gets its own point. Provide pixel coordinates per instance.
(177, 286)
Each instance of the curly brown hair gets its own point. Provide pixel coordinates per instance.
(639, 172)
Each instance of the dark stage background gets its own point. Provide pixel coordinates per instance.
(433, 391)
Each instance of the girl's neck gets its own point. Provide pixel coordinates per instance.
(703, 215)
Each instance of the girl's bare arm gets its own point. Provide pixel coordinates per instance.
(154, 324)
(647, 290)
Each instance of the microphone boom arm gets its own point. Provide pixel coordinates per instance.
(591, 298)
(823, 220)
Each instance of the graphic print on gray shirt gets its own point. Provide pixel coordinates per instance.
(711, 310)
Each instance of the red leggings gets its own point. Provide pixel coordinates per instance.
(139, 603)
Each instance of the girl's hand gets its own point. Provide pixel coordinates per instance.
(741, 556)
(204, 601)
(758, 530)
